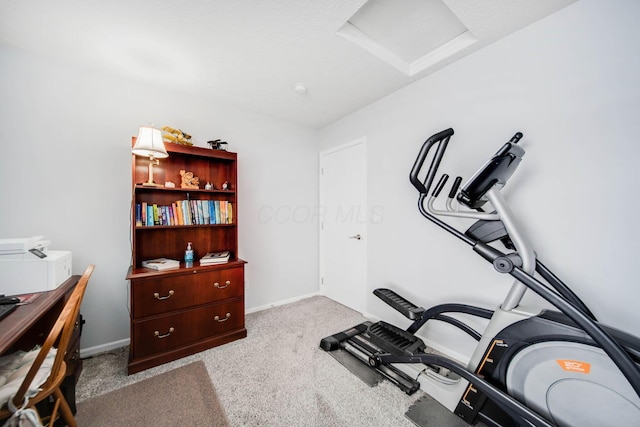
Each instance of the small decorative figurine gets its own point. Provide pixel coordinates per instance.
(217, 144)
(188, 180)
(176, 136)
(208, 186)
(225, 185)
(170, 184)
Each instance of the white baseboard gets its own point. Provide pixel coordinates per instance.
(282, 302)
(371, 317)
(103, 348)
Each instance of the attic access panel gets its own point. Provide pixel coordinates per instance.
(410, 35)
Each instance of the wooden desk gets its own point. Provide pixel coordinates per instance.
(17, 329)
(30, 324)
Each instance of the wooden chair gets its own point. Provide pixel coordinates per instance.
(61, 334)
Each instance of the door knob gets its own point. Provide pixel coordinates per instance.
(357, 237)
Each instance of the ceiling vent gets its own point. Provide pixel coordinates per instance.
(410, 35)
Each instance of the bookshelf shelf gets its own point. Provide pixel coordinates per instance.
(194, 300)
(141, 188)
(158, 227)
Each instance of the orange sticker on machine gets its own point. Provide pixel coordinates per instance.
(574, 366)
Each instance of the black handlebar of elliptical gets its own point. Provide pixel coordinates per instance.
(440, 185)
(441, 138)
(454, 187)
(517, 137)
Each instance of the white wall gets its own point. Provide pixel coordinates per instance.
(570, 84)
(65, 166)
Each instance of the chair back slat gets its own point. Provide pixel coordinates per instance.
(75, 301)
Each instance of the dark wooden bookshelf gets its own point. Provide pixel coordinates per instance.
(178, 312)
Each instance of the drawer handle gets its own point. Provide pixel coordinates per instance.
(218, 319)
(157, 333)
(158, 297)
(226, 284)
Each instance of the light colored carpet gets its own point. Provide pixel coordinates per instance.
(183, 396)
(278, 375)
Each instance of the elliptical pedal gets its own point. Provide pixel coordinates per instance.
(394, 340)
(356, 343)
(399, 303)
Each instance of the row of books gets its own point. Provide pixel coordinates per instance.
(210, 258)
(184, 212)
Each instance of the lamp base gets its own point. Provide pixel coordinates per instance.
(150, 182)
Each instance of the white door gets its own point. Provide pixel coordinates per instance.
(343, 222)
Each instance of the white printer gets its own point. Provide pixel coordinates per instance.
(28, 266)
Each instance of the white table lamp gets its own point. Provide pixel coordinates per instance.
(150, 144)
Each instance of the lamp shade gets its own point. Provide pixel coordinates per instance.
(149, 143)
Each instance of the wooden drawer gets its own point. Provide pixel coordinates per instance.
(157, 296)
(163, 333)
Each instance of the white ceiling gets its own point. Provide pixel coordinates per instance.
(251, 53)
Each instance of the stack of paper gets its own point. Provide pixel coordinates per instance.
(161, 264)
(215, 258)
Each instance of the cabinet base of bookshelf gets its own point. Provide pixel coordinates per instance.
(151, 361)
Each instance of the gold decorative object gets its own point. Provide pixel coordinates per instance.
(176, 136)
(188, 180)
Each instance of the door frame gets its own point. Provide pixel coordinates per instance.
(321, 199)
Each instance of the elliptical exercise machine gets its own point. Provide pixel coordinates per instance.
(530, 366)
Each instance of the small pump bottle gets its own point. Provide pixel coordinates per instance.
(188, 255)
